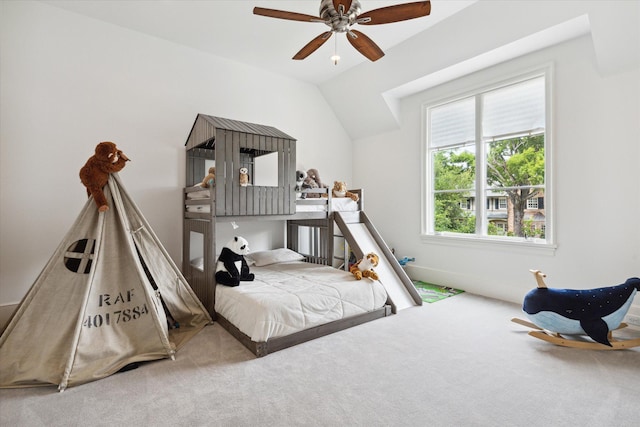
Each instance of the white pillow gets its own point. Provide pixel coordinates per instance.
(273, 256)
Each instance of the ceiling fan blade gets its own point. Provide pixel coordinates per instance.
(313, 45)
(292, 16)
(399, 12)
(364, 45)
(345, 3)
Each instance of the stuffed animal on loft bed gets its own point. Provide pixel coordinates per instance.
(244, 177)
(95, 173)
(312, 181)
(300, 177)
(340, 190)
(597, 312)
(209, 179)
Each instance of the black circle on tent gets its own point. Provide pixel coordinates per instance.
(79, 256)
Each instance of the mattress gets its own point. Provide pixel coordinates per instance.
(341, 204)
(293, 296)
(198, 195)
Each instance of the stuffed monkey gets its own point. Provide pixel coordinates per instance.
(95, 173)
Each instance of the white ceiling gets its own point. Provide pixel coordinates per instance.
(475, 34)
(229, 29)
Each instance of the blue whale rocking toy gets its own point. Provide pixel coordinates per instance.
(555, 313)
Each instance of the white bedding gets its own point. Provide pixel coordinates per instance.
(198, 195)
(341, 204)
(289, 297)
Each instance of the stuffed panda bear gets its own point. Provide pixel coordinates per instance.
(231, 267)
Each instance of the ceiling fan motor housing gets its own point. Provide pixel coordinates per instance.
(339, 20)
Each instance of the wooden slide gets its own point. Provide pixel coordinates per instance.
(363, 238)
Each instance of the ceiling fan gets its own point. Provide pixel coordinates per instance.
(340, 15)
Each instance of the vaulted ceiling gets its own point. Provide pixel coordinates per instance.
(457, 38)
(229, 29)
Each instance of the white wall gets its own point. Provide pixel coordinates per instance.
(69, 82)
(596, 151)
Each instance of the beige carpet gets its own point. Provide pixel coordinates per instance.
(457, 362)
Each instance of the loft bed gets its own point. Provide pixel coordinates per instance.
(269, 156)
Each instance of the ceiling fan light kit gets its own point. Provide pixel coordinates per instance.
(340, 15)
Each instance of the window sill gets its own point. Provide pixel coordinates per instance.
(524, 246)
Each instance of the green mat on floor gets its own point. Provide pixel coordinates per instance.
(432, 293)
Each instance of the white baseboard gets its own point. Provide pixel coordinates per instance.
(634, 311)
(460, 280)
(482, 286)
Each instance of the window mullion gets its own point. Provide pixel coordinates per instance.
(481, 206)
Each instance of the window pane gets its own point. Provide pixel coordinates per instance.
(515, 109)
(454, 169)
(516, 169)
(454, 212)
(523, 216)
(515, 162)
(453, 123)
(534, 222)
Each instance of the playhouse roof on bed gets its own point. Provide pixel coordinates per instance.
(203, 132)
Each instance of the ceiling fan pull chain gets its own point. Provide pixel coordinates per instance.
(335, 58)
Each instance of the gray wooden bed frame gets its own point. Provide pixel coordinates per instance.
(263, 348)
(233, 144)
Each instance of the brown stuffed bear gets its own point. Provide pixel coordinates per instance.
(340, 190)
(210, 178)
(95, 173)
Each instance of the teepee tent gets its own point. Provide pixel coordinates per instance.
(101, 302)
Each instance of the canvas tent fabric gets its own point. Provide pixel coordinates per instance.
(97, 306)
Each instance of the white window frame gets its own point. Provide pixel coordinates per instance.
(527, 245)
